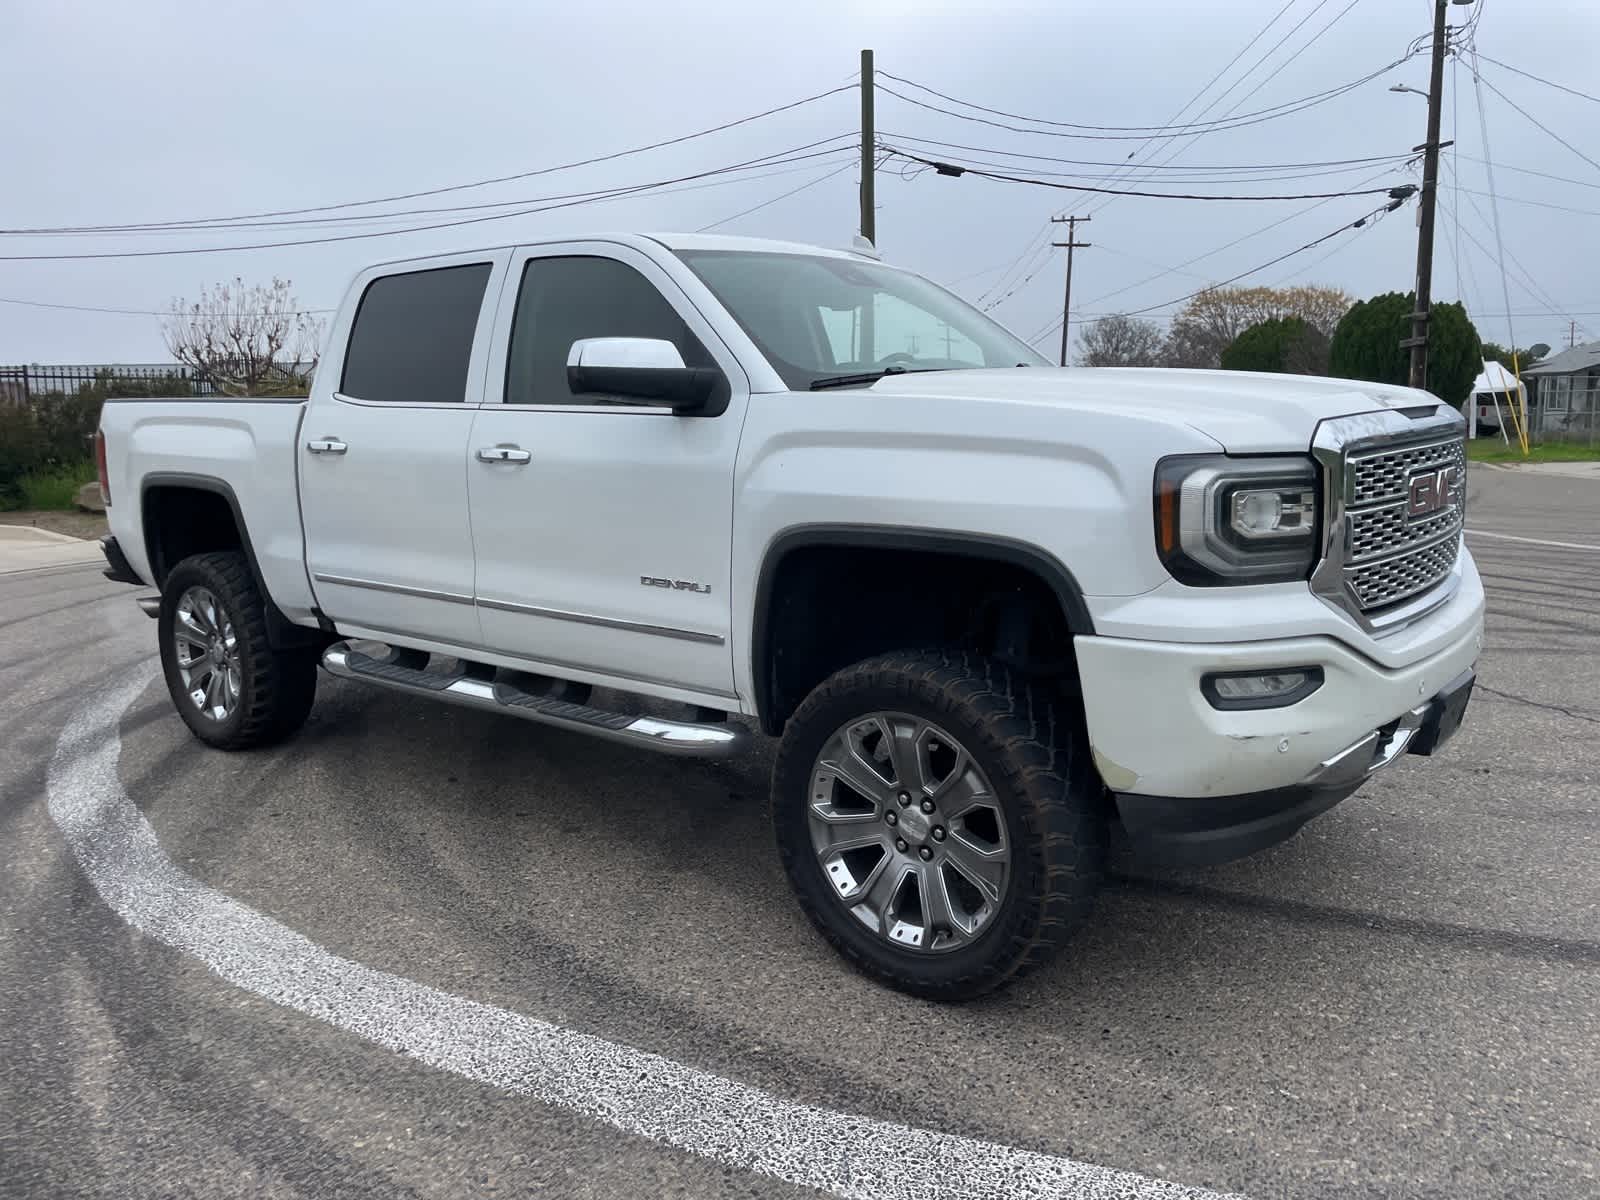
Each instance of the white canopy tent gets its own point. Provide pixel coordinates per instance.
(1493, 383)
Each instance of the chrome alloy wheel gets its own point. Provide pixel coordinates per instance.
(207, 653)
(908, 832)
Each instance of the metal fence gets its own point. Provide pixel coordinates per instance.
(24, 384)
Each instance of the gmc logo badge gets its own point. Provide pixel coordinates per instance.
(1430, 491)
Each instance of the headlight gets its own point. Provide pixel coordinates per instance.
(1223, 520)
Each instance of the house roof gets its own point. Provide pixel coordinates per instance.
(1578, 358)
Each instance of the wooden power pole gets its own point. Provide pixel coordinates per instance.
(1071, 244)
(1418, 341)
(869, 146)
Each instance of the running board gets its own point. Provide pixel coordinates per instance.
(668, 737)
(150, 606)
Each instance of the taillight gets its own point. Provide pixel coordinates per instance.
(100, 466)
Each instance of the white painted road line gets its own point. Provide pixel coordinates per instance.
(632, 1090)
(1511, 537)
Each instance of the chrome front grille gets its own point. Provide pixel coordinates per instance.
(1390, 555)
(1385, 475)
(1404, 575)
(1386, 560)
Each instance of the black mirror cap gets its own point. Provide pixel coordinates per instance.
(687, 391)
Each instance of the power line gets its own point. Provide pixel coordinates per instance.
(945, 168)
(658, 186)
(1561, 87)
(1184, 128)
(1358, 223)
(1176, 150)
(826, 175)
(151, 312)
(457, 187)
(790, 155)
(1195, 99)
(1084, 162)
(1255, 233)
(1478, 78)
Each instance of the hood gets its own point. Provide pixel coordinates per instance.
(1243, 411)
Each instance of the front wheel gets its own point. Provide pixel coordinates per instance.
(230, 686)
(939, 820)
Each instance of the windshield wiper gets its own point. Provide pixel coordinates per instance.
(865, 377)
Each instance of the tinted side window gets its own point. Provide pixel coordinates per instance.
(412, 336)
(564, 299)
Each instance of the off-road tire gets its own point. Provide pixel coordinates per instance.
(277, 687)
(1033, 748)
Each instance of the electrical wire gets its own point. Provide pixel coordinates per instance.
(1176, 150)
(964, 160)
(1083, 162)
(151, 312)
(477, 183)
(825, 176)
(1494, 201)
(1560, 87)
(655, 187)
(946, 168)
(1361, 221)
(1144, 130)
(1478, 78)
(793, 154)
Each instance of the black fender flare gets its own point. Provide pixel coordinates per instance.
(282, 633)
(1054, 573)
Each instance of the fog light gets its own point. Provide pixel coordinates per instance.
(1260, 689)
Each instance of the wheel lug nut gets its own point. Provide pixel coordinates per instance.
(904, 798)
(900, 845)
(925, 853)
(890, 818)
(938, 833)
(927, 806)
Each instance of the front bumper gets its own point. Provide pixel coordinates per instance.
(1153, 732)
(1218, 829)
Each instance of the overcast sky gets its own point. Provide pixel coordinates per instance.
(120, 113)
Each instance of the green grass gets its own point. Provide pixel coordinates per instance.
(53, 490)
(1494, 450)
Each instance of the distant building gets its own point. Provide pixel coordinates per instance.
(1567, 387)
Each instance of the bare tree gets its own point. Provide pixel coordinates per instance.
(248, 341)
(1120, 341)
(1207, 324)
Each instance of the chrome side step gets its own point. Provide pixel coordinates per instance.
(150, 606)
(652, 733)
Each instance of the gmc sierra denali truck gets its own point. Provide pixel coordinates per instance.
(991, 607)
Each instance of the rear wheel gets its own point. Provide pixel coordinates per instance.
(229, 685)
(939, 820)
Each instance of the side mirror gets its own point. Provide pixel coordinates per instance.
(649, 369)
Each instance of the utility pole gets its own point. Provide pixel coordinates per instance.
(1418, 341)
(1071, 244)
(1572, 334)
(869, 146)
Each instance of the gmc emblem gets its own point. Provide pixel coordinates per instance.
(1430, 491)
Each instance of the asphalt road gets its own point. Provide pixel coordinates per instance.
(1404, 1001)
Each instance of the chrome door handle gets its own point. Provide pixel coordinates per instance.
(504, 454)
(326, 446)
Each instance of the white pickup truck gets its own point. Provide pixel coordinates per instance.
(992, 607)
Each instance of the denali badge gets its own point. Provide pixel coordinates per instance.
(677, 585)
(1430, 491)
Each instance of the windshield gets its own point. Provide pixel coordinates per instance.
(816, 317)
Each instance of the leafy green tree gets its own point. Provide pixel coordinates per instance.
(1282, 344)
(1366, 345)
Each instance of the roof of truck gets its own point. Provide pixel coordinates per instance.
(672, 241)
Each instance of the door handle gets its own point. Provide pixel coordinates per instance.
(504, 454)
(326, 446)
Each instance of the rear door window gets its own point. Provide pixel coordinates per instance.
(412, 337)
